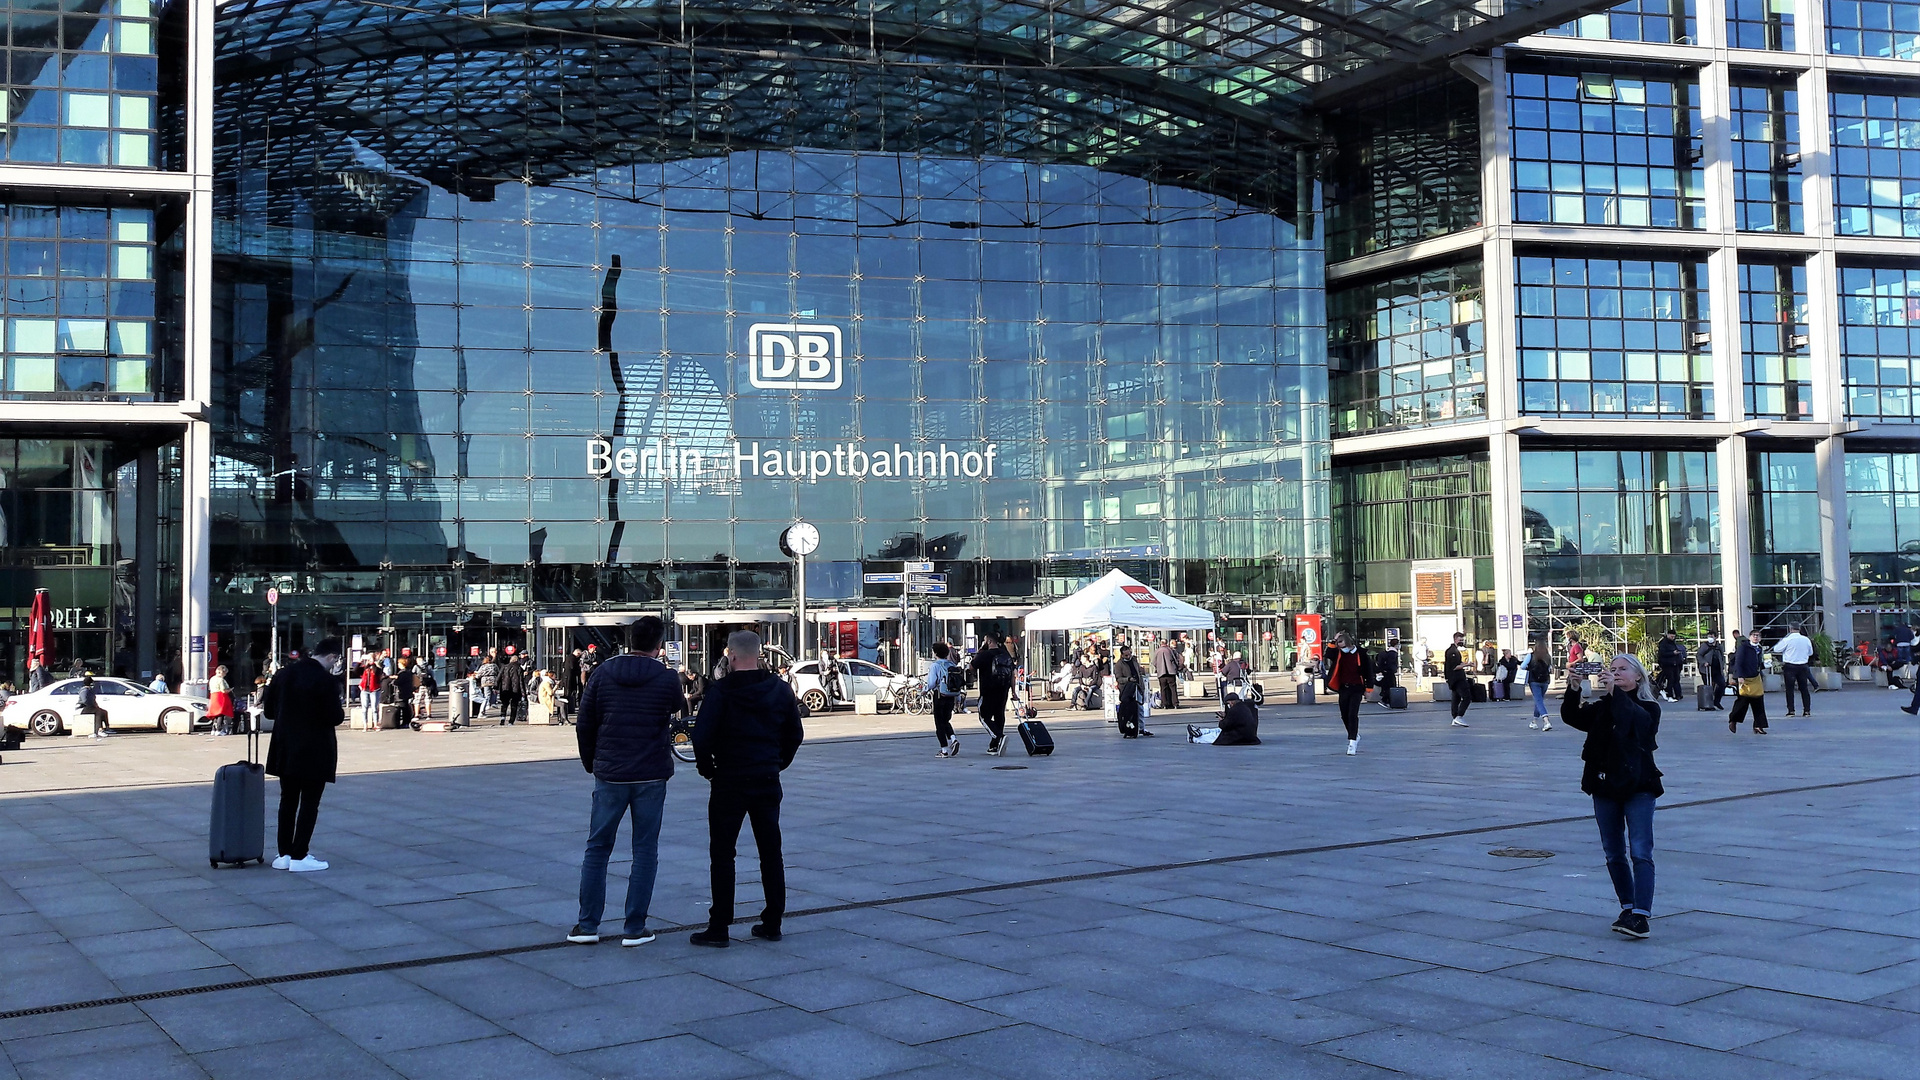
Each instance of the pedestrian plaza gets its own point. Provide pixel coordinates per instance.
(1435, 906)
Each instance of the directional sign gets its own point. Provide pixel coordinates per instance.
(883, 579)
(919, 567)
(929, 579)
(935, 588)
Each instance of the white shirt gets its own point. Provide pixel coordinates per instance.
(1794, 649)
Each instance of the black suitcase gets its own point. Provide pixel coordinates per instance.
(1396, 697)
(1034, 734)
(1479, 692)
(239, 826)
(1703, 698)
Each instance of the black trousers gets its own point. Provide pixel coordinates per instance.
(1740, 707)
(1386, 681)
(1798, 675)
(943, 717)
(730, 803)
(1169, 691)
(993, 709)
(510, 706)
(1350, 698)
(1670, 680)
(299, 812)
(1462, 689)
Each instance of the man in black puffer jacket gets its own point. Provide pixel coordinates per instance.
(747, 732)
(622, 728)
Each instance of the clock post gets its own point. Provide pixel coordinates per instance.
(797, 541)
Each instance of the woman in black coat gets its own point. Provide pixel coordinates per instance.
(304, 703)
(1622, 728)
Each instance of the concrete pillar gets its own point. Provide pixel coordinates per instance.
(1509, 539)
(1736, 537)
(1836, 543)
(146, 563)
(196, 459)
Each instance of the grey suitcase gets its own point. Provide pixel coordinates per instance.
(1703, 698)
(1396, 697)
(238, 830)
(1303, 695)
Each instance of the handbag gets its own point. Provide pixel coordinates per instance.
(1753, 686)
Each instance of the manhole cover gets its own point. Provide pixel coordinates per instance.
(1520, 853)
(1004, 768)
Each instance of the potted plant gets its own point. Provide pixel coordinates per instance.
(1822, 669)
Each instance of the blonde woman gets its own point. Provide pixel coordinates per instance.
(1622, 728)
(220, 701)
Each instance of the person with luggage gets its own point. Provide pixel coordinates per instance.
(1130, 688)
(489, 675)
(220, 701)
(1459, 683)
(1386, 673)
(512, 685)
(1796, 653)
(1750, 685)
(621, 731)
(1710, 660)
(996, 667)
(1349, 675)
(1505, 670)
(1167, 668)
(1671, 657)
(1233, 672)
(303, 701)
(1539, 674)
(745, 736)
(1239, 726)
(945, 683)
(1623, 728)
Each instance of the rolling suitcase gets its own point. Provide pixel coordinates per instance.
(238, 830)
(1396, 697)
(1479, 693)
(1703, 698)
(1034, 734)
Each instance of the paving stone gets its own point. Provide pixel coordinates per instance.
(839, 1054)
(918, 1019)
(503, 1058)
(679, 1057)
(1025, 1051)
(230, 1018)
(1424, 1053)
(406, 1025)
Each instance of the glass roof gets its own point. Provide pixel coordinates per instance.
(468, 92)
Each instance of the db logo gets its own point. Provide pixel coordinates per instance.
(793, 356)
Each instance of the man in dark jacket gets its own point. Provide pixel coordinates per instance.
(1386, 673)
(1710, 660)
(1671, 656)
(303, 701)
(622, 731)
(747, 733)
(1459, 683)
(1129, 686)
(996, 667)
(513, 687)
(1166, 668)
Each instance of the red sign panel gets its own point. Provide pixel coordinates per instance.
(1140, 593)
(1306, 633)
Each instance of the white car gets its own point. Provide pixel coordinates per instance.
(856, 677)
(56, 707)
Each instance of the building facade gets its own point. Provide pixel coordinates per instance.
(1648, 281)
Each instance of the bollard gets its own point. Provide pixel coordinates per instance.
(457, 702)
(1304, 695)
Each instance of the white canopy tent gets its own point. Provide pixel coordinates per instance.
(1119, 601)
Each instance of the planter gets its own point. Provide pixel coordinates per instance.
(1442, 692)
(1860, 673)
(1826, 678)
(1773, 683)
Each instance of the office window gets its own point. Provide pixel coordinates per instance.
(1880, 340)
(81, 84)
(1761, 24)
(1876, 162)
(1777, 371)
(1619, 517)
(1611, 337)
(1407, 352)
(1883, 524)
(79, 301)
(1405, 170)
(1663, 21)
(1889, 28)
(1602, 149)
(1766, 158)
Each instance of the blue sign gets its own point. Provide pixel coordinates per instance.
(883, 579)
(929, 579)
(936, 588)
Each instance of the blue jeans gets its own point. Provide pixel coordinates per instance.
(1539, 697)
(611, 802)
(1621, 824)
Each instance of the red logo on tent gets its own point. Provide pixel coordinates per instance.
(1140, 593)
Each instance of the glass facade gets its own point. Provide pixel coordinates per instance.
(1405, 171)
(1776, 366)
(1662, 21)
(1597, 518)
(1613, 337)
(1761, 24)
(1888, 28)
(82, 83)
(1387, 515)
(1876, 162)
(1766, 157)
(1606, 148)
(608, 368)
(81, 302)
(1407, 352)
(1880, 339)
(1883, 523)
(1785, 530)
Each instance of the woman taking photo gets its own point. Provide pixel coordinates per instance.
(1621, 728)
(1539, 674)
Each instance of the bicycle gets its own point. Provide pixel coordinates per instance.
(912, 700)
(680, 738)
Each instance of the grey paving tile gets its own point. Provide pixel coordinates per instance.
(1424, 1053)
(1083, 1014)
(1666, 987)
(1027, 1051)
(1286, 1020)
(820, 990)
(918, 1019)
(406, 1025)
(227, 1018)
(1213, 1052)
(1402, 1007)
(1535, 1034)
(958, 980)
(146, 1062)
(680, 1057)
(328, 1056)
(843, 1053)
(1661, 1060)
(501, 1058)
(86, 1041)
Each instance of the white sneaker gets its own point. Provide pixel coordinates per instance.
(953, 748)
(306, 865)
(281, 862)
(1353, 747)
(1546, 724)
(1460, 723)
(1533, 723)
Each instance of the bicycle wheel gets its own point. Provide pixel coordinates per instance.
(914, 700)
(680, 739)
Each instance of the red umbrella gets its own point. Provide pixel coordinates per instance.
(37, 629)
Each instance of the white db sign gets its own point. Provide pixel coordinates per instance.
(793, 356)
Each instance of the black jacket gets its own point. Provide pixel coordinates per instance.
(983, 663)
(1386, 662)
(1453, 664)
(1671, 653)
(1239, 726)
(513, 678)
(1746, 660)
(1539, 668)
(1622, 734)
(748, 727)
(622, 726)
(1711, 660)
(303, 701)
(1127, 672)
(1342, 662)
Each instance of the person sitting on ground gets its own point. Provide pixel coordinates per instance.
(1889, 662)
(1239, 726)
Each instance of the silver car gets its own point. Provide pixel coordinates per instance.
(55, 708)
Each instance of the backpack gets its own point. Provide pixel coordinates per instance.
(1003, 669)
(955, 681)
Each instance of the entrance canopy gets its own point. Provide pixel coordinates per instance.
(1118, 600)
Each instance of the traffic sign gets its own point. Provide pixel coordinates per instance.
(273, 596)
(936, 588)
(883, 579)
(929, 579)
(919, 567)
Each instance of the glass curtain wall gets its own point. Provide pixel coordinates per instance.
(1886, 28)
(1390, 514)
(1766, 151)
(1663, 22)
(1785, 501)
(1776, 366)
(1405, 170)
(82, 82)
(1407, 352)
(1763, 24)
(1607, 147)
(1883, 523)
(1614, 337)
(1619, 518)
(1876, 159)
(1879, 339)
